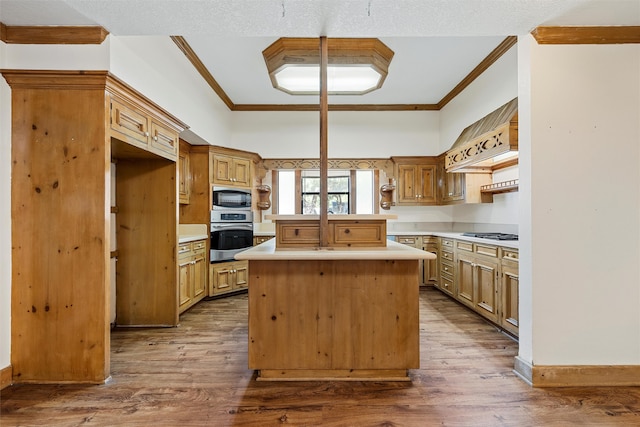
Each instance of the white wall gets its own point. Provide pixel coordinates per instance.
(5, 217)
(156, 67)
(496, 86)
(370, 134)
(584, 242)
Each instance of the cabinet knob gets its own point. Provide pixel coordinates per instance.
(451, 194)
(155, 138)
(146, 134)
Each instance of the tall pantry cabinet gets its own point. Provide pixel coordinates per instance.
(64, 137)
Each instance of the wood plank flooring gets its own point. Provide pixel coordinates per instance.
(196, 375)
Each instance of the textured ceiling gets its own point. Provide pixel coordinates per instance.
(436, 42)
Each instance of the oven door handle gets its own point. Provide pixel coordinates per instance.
(236, 226)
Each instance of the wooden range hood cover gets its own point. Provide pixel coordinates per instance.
(491, 136)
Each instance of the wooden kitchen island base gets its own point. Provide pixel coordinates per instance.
(333, 314)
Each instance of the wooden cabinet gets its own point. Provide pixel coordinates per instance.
(63, 142)
(483, 277)
(430, 266)
(509, 288)
(414, 242)
(416, 181)
(233, 171)
(445, 281)
(192, 268)
(228, 277)
(457, 187)
(141, 129)
(477, 277)
(184, 173)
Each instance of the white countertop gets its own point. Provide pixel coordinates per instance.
(267, 252)
(192, 232)
(513, 244)
(331, 217)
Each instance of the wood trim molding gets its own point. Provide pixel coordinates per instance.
(495, 54)
(578, 375)
(202, 69)
(52, 34)
(347, 164)
(6, 377)
(586, 35)
(500, 50)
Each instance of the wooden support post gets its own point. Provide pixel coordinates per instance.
(324, 155)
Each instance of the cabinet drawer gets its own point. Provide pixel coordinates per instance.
(447, 255)
(447, 243)
(297, 235)
(129, 123)
(199, 246)
(446, 284)
(164, 139)
(510, 254)
(446, 269)
(429, 239)
(491, 251)
(405, 240)
(464, 246)
(184, 249)
(360, 233)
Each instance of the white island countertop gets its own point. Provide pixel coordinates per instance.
(393, 251)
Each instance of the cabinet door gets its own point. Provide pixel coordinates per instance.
(464, 276)
(184, 274)
(486, 290)
(431, 265)
(199, 276)
(184, 177)
(453, 187)
(241, 272)
(509, 290)
(221, 278)
(241, 172)
(222, 169)
(427, 182)
(407, 178)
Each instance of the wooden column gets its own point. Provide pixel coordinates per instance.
(324, 155)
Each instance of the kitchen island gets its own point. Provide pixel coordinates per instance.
(333, 313)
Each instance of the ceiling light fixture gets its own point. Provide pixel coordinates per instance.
(356, 66)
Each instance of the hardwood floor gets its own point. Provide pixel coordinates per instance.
(196, 375)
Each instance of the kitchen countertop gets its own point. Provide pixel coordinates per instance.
(394, 250)
(192, 232)
(513, 244)
(337, 217)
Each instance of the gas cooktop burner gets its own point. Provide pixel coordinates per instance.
(494, 236)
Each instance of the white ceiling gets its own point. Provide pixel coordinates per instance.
(436, 42)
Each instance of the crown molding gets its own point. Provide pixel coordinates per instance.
(500, 50)
(202, 69)
(586, 35)
(52, 34)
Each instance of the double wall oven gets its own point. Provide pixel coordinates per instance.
(231, 223)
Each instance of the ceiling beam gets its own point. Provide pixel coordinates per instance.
(586, 35)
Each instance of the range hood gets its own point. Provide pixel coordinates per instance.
(488, 144)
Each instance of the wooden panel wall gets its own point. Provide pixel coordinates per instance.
(146, 232)
(60, 236)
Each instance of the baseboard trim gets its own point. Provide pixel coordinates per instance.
(577, 375)
(6, 377)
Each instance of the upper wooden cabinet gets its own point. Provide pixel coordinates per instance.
(184, 173)
(416, 180)
(458, 187)
(132, 123)
(232, 171)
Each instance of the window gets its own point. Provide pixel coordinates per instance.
(348, 191)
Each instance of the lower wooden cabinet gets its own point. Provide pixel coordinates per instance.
(483, 277)
(192, 268)
(261, 239)
(228, 277)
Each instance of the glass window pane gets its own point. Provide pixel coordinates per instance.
(311, 204)
(310, 184)
(338, 184)
(286, 192)
(364, 192)
(338, 203)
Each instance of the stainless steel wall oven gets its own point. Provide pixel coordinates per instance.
(231, 233)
